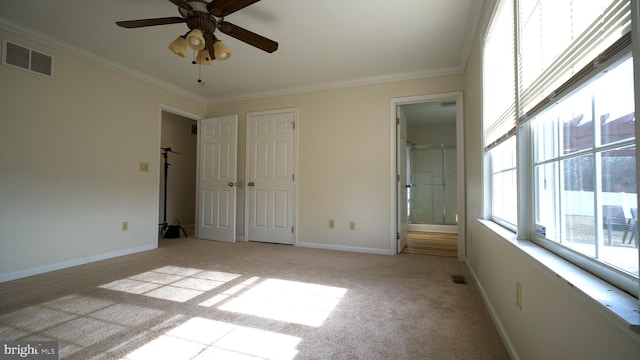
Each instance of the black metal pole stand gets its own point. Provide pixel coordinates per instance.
(169, 231)
(165, 152)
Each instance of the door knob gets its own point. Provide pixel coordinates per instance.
(251, 183)
(231, 184)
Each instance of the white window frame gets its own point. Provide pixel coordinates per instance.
(618, 278)
(526, 227)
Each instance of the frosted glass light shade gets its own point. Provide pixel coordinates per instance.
(195, 40)
(179, 46)
(204, 58)
(221, 52)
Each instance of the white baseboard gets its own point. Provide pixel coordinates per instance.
(343, 248)
(75, 262)
(506, 339)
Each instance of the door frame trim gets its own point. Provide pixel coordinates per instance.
(158, 158)
(456, 96)
(295, 111)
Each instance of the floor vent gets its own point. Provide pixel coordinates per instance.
(459, 279)
(27, 59)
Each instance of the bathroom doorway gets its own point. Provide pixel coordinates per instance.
(429, 164)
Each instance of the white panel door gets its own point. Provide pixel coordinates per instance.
(217, 142)
(270, 176)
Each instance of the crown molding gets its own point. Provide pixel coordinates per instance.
(341, 84)
(473, 25)
(475, 22)
(56, 43)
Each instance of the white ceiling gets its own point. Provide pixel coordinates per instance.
(322, 43)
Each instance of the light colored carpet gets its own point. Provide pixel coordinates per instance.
(196, 299)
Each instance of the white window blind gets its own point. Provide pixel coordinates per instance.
(499, 76)
(557, 38)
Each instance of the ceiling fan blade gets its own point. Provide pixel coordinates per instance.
(247, 36)
(131, 24)
(222, 8)
(182, 4)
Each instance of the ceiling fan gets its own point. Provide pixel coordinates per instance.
(203, 19)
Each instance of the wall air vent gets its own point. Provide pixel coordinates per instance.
(27, 59)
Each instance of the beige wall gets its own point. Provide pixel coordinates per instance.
(70, 149)
(344, 159)
(181, 184)
(556, 322)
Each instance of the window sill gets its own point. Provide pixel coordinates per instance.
(621, 307)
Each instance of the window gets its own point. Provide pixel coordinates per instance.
(585, 171)
(503, 183)
(500, 114)
(573, 97)
(557, 38)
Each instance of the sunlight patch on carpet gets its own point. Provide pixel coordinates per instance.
(230, 292)
(75, 320)
(289, 301)
(199, 338)
(174, 283)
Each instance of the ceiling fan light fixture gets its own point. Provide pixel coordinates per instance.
(179, 46)
(204, 58)
(203, 18)
(221, 51)
(195, 39)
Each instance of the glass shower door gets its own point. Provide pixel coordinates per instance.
(433, 185)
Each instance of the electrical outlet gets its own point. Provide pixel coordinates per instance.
(144, 166)
(125, 226)
(518, 295)
(331, 224)
(352, 225)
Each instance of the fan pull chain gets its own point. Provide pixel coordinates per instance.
(194, 62)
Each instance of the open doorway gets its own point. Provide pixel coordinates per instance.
(429, 169)
(432, 192)
(179, 134)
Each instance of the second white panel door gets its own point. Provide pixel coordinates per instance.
(271, 176)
